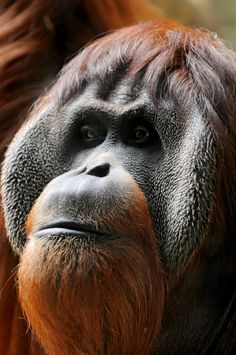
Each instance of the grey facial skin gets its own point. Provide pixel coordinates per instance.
(172, 157)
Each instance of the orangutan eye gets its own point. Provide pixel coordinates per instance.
(140, 134)
(91, 135)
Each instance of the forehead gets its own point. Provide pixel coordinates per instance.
(117, 99)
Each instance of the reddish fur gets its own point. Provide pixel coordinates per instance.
(106, 298)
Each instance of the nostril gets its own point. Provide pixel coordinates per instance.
(100, 170)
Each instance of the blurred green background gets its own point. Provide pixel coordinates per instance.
(216, 15)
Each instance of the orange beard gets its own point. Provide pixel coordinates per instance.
(95, 297)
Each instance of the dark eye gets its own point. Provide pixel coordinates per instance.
(140, 134)
(91, 135)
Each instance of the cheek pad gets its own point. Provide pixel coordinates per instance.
(32, 160)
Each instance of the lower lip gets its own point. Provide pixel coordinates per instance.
(66, 232)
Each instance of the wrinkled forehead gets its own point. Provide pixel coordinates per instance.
(117, 97)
